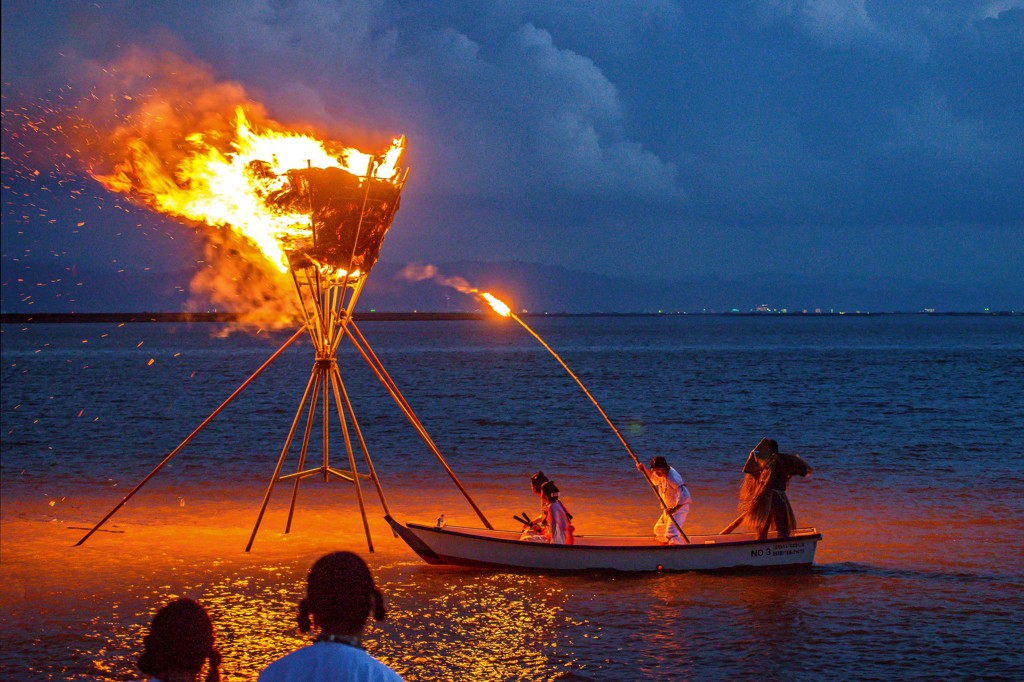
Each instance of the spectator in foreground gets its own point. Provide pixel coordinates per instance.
(179, 643)
(340, 595)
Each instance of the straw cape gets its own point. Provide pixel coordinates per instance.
(767, 473)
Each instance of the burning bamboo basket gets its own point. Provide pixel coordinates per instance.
(349, 217)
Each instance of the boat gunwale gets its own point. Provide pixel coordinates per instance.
(815, 535)
(444, 560)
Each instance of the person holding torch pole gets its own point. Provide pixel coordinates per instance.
(675, 499)
(680, 506)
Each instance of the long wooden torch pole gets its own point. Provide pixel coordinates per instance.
(732, 526)
(608, 419)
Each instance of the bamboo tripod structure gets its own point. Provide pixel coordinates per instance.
(326, 318)
(326, 303)
(327, 309)
(328, 321)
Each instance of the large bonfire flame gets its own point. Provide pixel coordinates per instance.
(256, 186)
(173, 139)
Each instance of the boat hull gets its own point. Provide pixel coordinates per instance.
(458, 546)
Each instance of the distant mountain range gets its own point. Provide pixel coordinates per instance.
(531, 287)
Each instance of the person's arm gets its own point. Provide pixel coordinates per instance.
(543, 519)
(752, 466)
(795, 465)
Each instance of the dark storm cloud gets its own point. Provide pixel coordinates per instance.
(675, 137)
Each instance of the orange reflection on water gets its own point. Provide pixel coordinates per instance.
(253, 616)
(83, 613)
(492, 626)
(484, 625)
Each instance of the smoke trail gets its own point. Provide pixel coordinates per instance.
(419, 273)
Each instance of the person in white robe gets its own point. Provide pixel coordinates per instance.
(533, 530)
(676, 496)
(559, 529)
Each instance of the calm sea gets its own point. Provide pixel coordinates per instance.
(914, 425)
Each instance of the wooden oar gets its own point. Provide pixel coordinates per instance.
(732, 526)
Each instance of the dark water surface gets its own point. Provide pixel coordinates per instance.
(914, 426)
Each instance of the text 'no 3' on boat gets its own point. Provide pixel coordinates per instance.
(502, 549)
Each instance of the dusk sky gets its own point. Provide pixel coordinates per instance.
(663, 140)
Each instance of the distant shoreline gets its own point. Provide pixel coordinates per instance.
(56, 318)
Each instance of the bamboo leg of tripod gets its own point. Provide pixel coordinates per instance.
(335, 383)
(325, 462)
(361, 345)
(192, 435)
(284, 454)
(362, 445)
(302, 458)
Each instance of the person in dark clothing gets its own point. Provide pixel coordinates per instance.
(764, 503)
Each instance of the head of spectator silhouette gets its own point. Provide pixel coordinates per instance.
(179, 642)
(340, 596)
(537, 481)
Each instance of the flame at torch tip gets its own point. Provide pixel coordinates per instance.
(417, 273)
(499, 307)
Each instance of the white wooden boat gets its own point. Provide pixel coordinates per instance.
(502, 549)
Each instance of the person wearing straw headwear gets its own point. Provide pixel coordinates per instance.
(340, 596)
(537, 482)
(533, 527)
(674, 494)
(763, 500)
(179, 644)
(558, 529)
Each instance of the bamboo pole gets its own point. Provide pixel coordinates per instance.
(326, 422)
(362, 214)
(335, 377)
(192, 435)
(302, 458)
(608, 419)
(355, 336)
(315, 330)
(346, 316)
(302, 301)
(284, 454)
(362, 444)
